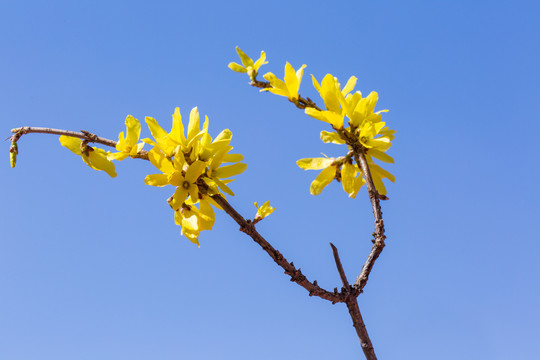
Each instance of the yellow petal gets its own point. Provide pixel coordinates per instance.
(236, 67)
(119, 156)
(351, 83)
(156, 130)
(177, 131)
(178, 198)
(260, 61)
(156, 180)
(324, 178)
(133, 131)
(193, 127)
(229, 170)
(207, 216)
(314, 163)
(73, 144)
(331, 137)
(348, 173)
(223, 187)
(246, 60)
(195, 170)
(159, 160)
(99, 161)
(232, 158)
(381, 156)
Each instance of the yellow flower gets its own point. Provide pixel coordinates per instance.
(248, 66)
(349, 179)
(325, 177)
(168, 142)
(288, 88)
(377, 174)
(351, 175)
(370, 138)
(176, 173)
(333, 97)
(94, 157)
(362, 109)
(263, 211)
(193, 220)
(193, 164)
(127, 146)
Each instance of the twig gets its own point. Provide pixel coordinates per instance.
(83, 135)
(354, 311)
(340, 267)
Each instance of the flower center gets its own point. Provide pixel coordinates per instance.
(186, 184)
(364, 139)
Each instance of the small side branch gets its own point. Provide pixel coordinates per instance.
(354, 311)
(83, 135)
(340, 267)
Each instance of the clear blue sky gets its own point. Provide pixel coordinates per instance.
(94, 268)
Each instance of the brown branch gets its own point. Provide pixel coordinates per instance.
(379, 236)
(340, 267)
(296, 275)
(354, 311)
(83, 135)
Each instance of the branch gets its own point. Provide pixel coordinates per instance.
(354, 311)
(83, 135)
(296, 275)
(379, 237)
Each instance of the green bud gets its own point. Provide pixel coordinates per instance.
(13, 151)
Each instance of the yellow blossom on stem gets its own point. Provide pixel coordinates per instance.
(248, 66)
(291, 84)
(193, 220)
(325, 177)
(349, 179)
(127, 146)
(94, 157)
(332, 95)
(196, 166)
(176, 173)
(263, 211)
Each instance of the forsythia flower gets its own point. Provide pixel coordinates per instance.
(94, 157)
(288, 88)
(193, 220)
(325, 177)
(333, 96)
(193, 164)
(127, 146)
(263, 211)
(365, 130)
(249, 66)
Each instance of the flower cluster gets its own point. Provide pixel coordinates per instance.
(354, 122)
(194, 163)
(196, 166)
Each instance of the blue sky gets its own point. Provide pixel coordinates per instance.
(94, 268)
